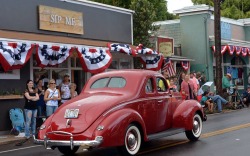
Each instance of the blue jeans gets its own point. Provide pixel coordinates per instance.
(219, 100)
(30, 122)
(50, 110)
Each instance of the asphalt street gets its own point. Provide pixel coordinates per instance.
(225, 134)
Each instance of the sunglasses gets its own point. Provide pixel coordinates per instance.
(52, 83)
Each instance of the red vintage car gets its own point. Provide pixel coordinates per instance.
(122, 109)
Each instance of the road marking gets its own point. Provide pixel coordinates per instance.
(226, 130)
(19, 149)
(206, 135)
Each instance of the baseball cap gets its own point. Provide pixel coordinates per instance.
(66, 75)
(229, 75)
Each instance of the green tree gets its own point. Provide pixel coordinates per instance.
(234, 9)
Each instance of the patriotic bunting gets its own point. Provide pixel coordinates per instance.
(231, 49)
(94, 60)
(185, 65)
(14, 55)
(223, 49)
(152, 62)
(168, 67)
(238, 50)
(244, 51)
(140, 49)
(47, 55)
(122, 48)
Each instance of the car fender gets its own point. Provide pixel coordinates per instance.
(183, 115)
(115, 125)
(47, 127)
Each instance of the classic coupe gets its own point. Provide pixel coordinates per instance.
(123, 109)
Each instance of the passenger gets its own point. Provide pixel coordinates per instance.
(172, 85)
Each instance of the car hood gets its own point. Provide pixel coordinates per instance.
(90, 106)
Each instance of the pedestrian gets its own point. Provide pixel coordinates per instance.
(246, 96)
(181, 78)
(195, 82)
(51, 97)
(187, 88)
(73, 91)
(30, 109)
(41, 106)
(219, 101)
(248, 79)
(207, 102)
(65, 89)
(226, 86)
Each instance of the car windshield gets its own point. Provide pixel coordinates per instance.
(113, 82)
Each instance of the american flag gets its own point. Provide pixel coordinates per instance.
(168, 66)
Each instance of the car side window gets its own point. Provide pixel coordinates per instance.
(149, 86)
(161, 84)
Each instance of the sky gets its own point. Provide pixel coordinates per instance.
(178, 4)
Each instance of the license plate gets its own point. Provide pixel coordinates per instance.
(71, 113)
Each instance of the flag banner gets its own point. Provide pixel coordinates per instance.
(122, 48)
(244, 51)
(231, 49)
(140, 49)
(185, 65)
(14, 55)
(238, 50)
(153, 62)
(48, 55)
(168, 67)
(94, 60)
(223, 49)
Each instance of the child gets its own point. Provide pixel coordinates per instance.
(73, 90)
(207, 102)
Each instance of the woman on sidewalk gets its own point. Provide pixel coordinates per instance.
(30, 109)
(51, 97)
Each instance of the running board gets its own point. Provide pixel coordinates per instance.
(166, 133)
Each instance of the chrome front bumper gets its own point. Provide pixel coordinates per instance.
(50, 143)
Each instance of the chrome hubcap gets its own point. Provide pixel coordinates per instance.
(131, 141)
(196, 127)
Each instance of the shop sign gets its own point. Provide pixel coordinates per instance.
(165, 46)
(55, 19)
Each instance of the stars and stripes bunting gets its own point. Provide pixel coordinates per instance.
(231, 49)
(140, 49)
(15, 55)
(152, 62)
(51, 55)
(238, 50)
(185, 65)
(122, 48)
(223, 49)
(244, 51)
(94, 60)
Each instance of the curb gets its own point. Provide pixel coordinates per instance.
(10, 140)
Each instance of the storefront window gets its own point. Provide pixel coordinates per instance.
(125, 64)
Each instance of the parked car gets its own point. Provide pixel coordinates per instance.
(121, 108)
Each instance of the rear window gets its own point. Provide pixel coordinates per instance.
(113, 82)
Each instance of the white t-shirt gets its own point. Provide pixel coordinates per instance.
(65, 88)
(52, 93)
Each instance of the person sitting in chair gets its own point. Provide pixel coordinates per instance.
(207, 102)
(246, 96)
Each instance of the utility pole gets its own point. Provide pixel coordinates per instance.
(218, 56)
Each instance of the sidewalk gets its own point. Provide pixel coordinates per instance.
(10, 139)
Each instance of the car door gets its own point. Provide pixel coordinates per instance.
(163, 102)
(148, 107)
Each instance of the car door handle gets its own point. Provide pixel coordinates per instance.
(160, 101)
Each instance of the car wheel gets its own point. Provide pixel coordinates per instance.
(132, 141)
(66, 150)
(195, 133)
